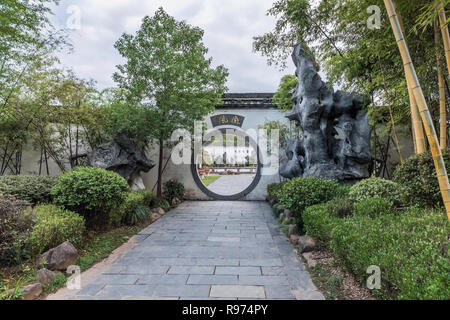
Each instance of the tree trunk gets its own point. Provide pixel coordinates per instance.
(160, 169)
(420, 145)
(423, 107)
(442, 112)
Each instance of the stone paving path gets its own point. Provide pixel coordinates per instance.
(203, 250)
(232, 184)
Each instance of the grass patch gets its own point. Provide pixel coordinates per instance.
(209, 179)
(95, 247)
(99, 246)
(333, 281)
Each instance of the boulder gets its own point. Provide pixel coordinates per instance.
(45, 276)
(306, 244)
(122, 156)
(287, 213)
(155, 216)
(32, 291)
(159, 211)
(61, 257)
(294, 239)
(309, 259)
(292, 229)
(136, 182)
(175, 201)
(289, 220)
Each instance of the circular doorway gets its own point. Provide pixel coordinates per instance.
(231, 179)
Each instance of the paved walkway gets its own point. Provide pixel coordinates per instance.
(228, 185)
(202, 250)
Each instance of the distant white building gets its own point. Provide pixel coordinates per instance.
(231, 154)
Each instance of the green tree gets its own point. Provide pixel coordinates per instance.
(283, 97)
(166, 72)
(26, 38)
(354, 56)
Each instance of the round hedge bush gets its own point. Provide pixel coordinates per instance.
(300, 193)
(418, 176)
(54, 226)
(172, 189)
(373, 207)
(377, 187)
(91, 192)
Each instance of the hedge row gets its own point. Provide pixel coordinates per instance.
(368, 224)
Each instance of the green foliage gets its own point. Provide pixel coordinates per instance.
(373, 207)
(283, 97)
(274, 190)
(32, 188)
(353, 56)
(300, 193)
(55, 226)
(166, 72)
(161, 203)
(172, 189)
(134, 209)
(411, 250)
(340, 207)
(139, 214)
(285, 131)
(418, 176)
(132, 119)
(377, 187)
(319, 220)
(343, 191)
(91, 192)
(15, 229)
(174, 54)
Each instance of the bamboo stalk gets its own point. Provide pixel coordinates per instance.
(420, 145)
(423, 107)
(446, 40)
(442, 111)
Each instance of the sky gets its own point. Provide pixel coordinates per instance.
(229, 27)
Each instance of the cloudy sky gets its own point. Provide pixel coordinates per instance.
(229, 26)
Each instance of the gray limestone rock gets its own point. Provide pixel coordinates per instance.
(335, 142)
(122, 156)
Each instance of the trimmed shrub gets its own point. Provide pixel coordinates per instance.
(377, 187)
(31, 188)
(160, 203)
(418, 176)
(15, 229)
(343, 191)
(130, 211)
(411, 250)
(55, 226)
(373, 207)
(300, 193)
(172, 189)
(91, 192)
(274, 189)
(340, 207)
(319, 220)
